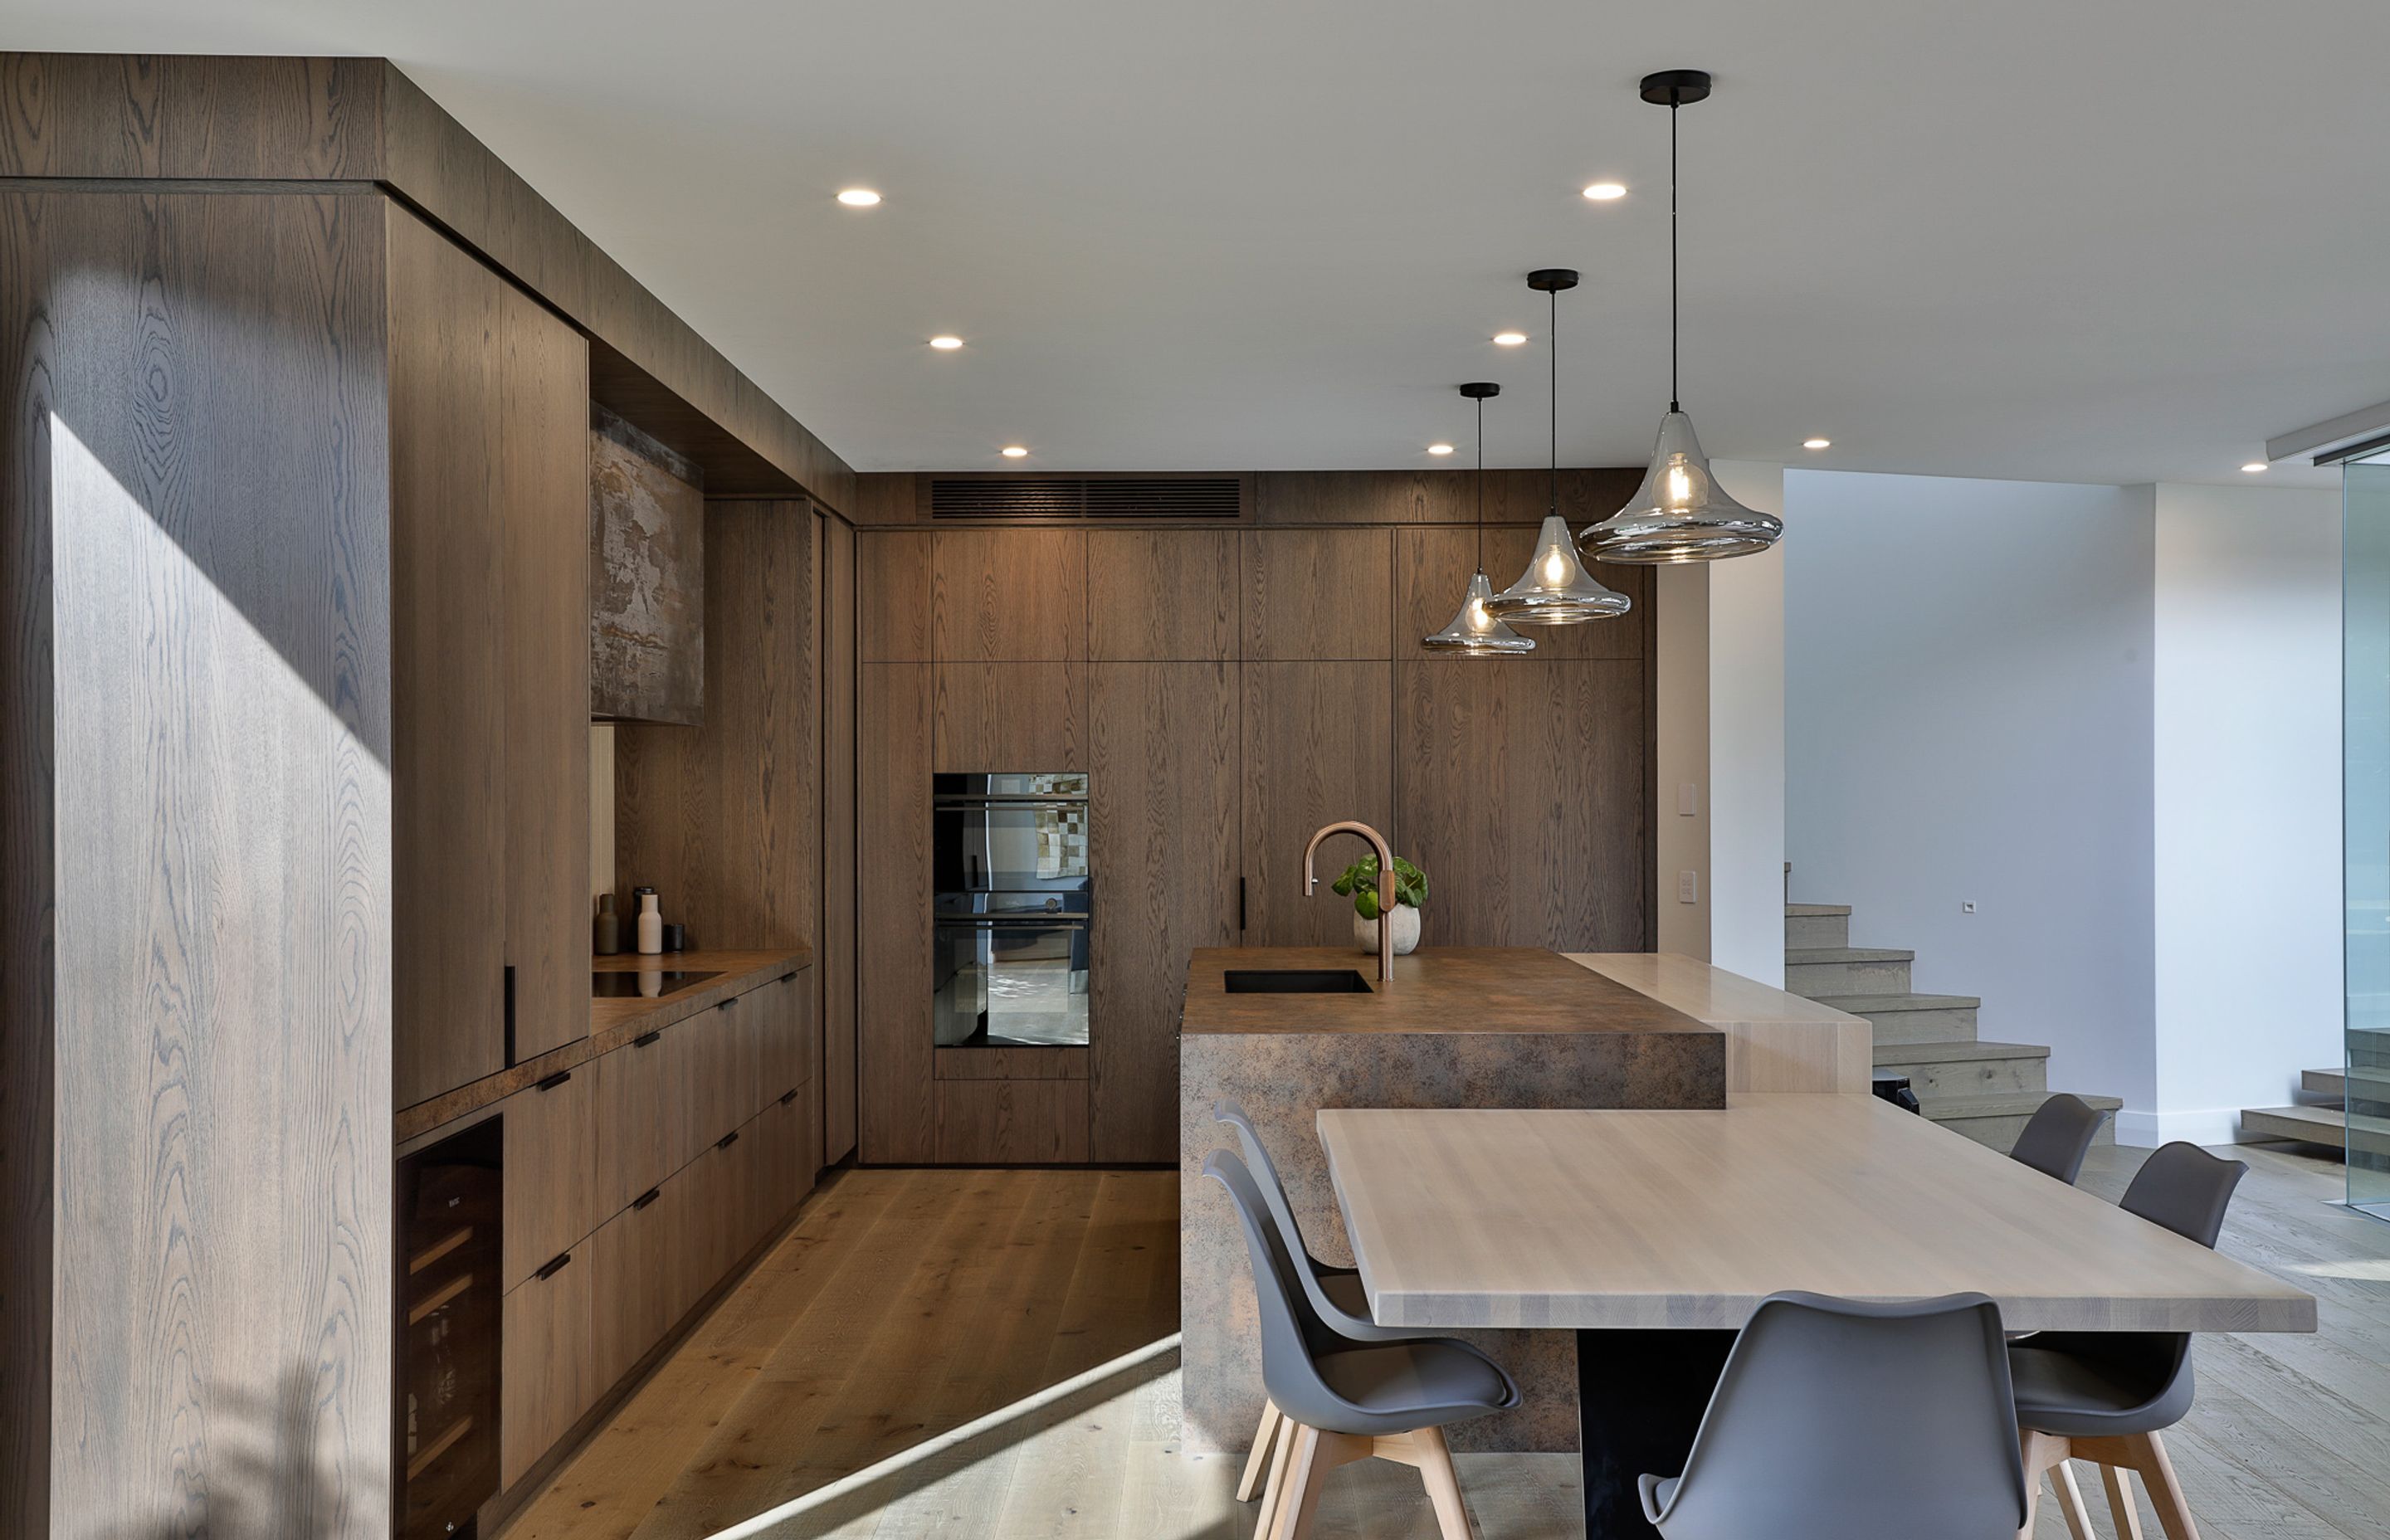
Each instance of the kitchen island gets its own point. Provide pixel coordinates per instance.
(1501, 1027)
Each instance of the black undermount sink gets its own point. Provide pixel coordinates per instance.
(1295, 981)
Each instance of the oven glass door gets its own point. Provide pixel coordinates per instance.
(1010, 833)
(1010, 981)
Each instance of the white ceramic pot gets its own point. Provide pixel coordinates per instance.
(1406, 927)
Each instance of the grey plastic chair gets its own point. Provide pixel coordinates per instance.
(2105, 1395)
(1335, 1292)
(2058, 1135)
(1836, 1420)
(1345, 1400)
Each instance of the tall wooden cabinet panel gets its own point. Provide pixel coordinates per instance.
(448, 678)
(1164, 595)
(542, 508)
(1524, 786)
(1008, 596)
(1319, 594)
(893, 572)
(1319, 747)
(834, 961)
(1163, 784)
(898, 1120)
(1010, 716)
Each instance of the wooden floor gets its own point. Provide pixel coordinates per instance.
(2290, 1439)
(904, 1304)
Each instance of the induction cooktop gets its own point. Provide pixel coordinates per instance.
(651, 985)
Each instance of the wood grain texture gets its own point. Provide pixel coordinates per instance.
(549, 1346)
(1009, 717)
(893, 578)
(1524, 793)
(1318, 746)
(1064, 1063)
(109, 116)
(553, 1154)
(892, 738)
(1686, 1220)
(196, 665)
(1164, 784)
(1586, 495)
(883, 497)
(1009, 1122)
(542, 502)
(1008, 596)
(448, 590)
(1161, 595)
(721, 819)
(1775, 1041)
(1319, 594)
(1441, 990)
(1431, 568)
(642, 1114)
(841, 873)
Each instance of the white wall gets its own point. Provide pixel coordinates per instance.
(1968, 717)
(1680, 755)
(2246, 803)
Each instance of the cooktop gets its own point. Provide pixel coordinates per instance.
(651, 985)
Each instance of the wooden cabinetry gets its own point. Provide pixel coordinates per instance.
(1319, 594)
(548, 1357)
(1163, 594)
(1011, 1123)
(892, 934)
(1010, 716)
(552, 1169)
(835, 958)
(489, 586)
(1164, 784)
(1008, 596)
(643, 1115)
(1319, 747)
(632, 1278)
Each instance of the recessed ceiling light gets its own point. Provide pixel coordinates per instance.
(858, 198)
(1816, 443)
(1439, 449)
(1014, 451)
(945, 344)
(1602, 192)
(2253, 467)
(1510, 338)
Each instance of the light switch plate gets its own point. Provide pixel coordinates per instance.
(1689, 799)
(1689, 887)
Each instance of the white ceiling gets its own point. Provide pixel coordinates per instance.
(2039, 238)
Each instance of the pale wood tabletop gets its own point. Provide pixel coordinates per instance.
(1688, 1219)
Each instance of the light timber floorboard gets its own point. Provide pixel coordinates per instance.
(2290, 1439)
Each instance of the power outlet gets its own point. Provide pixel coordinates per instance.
(1966, 906)
(1689, 887)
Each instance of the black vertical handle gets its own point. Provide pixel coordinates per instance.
(511, 1016)
(1240, 904)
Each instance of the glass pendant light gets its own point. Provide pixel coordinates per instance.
(1475, 632)
(1679, 513)
(1555, 589)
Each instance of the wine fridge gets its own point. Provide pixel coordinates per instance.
(449, 1200)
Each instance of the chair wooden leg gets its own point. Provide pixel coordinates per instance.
(2040, 1453)
(1298, 1491)
(1250, 1485)
(2121, 1510)
(1443, 1484)
(2165, 1493)
(1274, 1491)
(2070, 1501)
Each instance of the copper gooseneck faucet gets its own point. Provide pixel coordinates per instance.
(1385, 886)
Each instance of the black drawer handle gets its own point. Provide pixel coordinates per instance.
(647, 1197)
(786, 977)
(726, 1140)
(647, 1039)
(789, 1094)
(727, 1004)
(552, 1082)
(554, 1267)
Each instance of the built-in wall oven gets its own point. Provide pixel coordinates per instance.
(1015, 897)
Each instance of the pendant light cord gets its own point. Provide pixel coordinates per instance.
(1481, 483)
(1552, 346)
(1674, 107)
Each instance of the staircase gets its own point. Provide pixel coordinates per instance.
(2326, 1121)
(1981, 1089)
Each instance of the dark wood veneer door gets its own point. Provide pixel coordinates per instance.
(835, 965)
(449, 772)
(542, 503)
(898, 1119)
(1164, 781)
(1319, 748)
(1008, 596)
(1161, 595)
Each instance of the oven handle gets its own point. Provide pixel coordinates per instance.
(1028, 920)
(1008, 802)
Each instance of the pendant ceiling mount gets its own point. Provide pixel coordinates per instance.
(1555, 589)
(1475, 631)
(1679, 513)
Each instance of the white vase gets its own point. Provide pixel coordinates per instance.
(1406, 927)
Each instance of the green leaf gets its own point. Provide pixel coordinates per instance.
(1365, 904)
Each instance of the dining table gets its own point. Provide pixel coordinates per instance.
(1653, 1235)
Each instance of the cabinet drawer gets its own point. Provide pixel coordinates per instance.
(717, 1072)
(787, 1048)
(791, 1134)
(632, 1276)
(551, 1175)
(642, 1114)
(546, 1330)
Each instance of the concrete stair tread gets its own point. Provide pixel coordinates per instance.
(2002, 1104)
(1956, 1050)
(2374, 1079)
(1871, 1004)
(2324, 1125)
(1796, 955)
(1816, 911)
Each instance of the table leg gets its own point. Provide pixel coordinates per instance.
(1640, 1396)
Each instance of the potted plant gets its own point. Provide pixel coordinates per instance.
(1359, 883)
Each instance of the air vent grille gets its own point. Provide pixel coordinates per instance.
(1086, 496)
